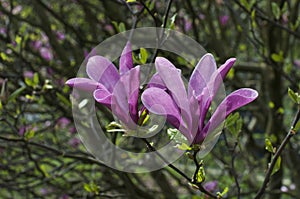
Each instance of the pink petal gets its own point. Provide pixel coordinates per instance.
(159, 102)
(224, 69)
(46, 53)
(103, 96)
(125, 98)
(126, 61)
(103, 71)
(232, 102)
(84, 84)
(202, 74)
(171, 77)
(213, 86)
(131, 82)
(195, 114)
(156, 81)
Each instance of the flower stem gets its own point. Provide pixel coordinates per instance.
(151, 148)
(199, 185)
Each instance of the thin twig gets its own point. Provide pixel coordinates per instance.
(197, 166)
(232, 169)
(151, 148)
(83, 158)
(290, 134)
(199, 185)
(235, 176)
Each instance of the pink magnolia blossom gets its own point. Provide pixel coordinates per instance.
(187, 110)
(74, 142)
(224, 20)
(46, 53)
(63, 122)
(60, 35)
(36, 45)
(28, 74)
(17, 10)
(117, 90)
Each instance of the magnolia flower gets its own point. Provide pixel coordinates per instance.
(211, 186)
(224, 19)
(28, 74)
(117, 90)
(63, 122)
(187, 110)
(60, 35)
(46, 53)
(74, 142)
(36, 44)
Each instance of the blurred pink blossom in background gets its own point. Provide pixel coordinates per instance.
(28, 74)
(74, 142)
(46, 53)
(224, 20)
(63, 122)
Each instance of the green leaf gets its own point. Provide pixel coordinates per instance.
(130, 1)
(172, 24)
(63, 99)
(15, 94)
(271, 105)
(113, 125)
(119, 27)
(172, 133)
(277, 165)
(231, 119)
(294, 96)
(220, 195)
(29, 134)
(35, 79)
(3, 88)
(91, 188)
(47, 85)
(269, 146)
(245, 4)
(230, 74)
(143, 55)
(284, 7)
(280, 110)
(254, 25)
(234, 124)
(3, 56)
(87, 187)
(297, 126)
(28, 81)
(277, 57)
(183, 146)
(296, 25)
(44, 169)
(176, 135)
(200, 176)
(275, 10)
(18, 39)
(122, 27)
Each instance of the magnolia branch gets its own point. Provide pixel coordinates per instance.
(199, 185)
(287, 138)
(83, 158)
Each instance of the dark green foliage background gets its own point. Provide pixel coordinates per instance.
(47, 161)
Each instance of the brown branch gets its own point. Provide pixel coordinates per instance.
(85, 158)
(199, 185)
(287, 138)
